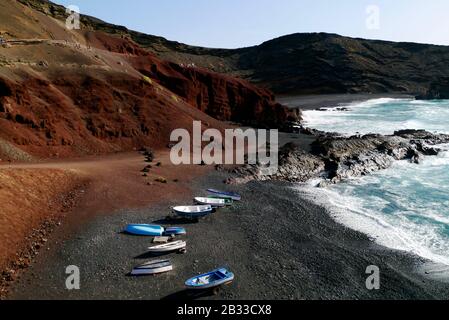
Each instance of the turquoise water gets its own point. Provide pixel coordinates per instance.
(383, 116)
(405, 207)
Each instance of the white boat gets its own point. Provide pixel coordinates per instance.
(152, 267)
(214, 202)
(168, 247)
(193, 212)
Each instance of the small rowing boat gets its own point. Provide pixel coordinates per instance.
(193, 212)
(228, 201)
(174, 231)
(168, 247)
(152, 267)
(217, 203)
(211, 279)
(234, 196)
(153, 230)
(144, 230)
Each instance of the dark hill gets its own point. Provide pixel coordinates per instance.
(304, 63)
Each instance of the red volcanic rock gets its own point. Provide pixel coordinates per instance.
(118, 98)
(220, 96)
(85, 114)
(114, 44)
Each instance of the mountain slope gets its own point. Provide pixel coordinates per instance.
(305, 63)
(81, 92)
(326, 63)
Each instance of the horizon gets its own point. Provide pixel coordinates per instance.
(401, 21)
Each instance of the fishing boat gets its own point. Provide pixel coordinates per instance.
(217, 203)
(168, 247)
(152, 267)
(144, 230)
(228, 200)
(211, 279)
(174, 231)
(153, 230)
(234, 196)
(193, 212)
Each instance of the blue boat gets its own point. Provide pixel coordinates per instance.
(230, 195)
(174, 231)
(144, 230)
(209, 280)
(193, 212)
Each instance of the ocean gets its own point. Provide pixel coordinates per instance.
(405, 207)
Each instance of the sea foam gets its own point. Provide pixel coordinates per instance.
(405, 207)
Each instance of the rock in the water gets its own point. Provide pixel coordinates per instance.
(337, 158)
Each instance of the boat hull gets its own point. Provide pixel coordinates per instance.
(152, 267)
(144, 230)
(193, 212)
(168, 247)
(210, 280)
(174, 231)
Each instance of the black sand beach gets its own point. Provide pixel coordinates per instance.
(279, 246)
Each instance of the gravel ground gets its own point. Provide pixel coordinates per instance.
(278, 245)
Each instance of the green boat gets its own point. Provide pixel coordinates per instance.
(228, 200)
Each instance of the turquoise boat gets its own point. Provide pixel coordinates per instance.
(144, 230)
(174, 231)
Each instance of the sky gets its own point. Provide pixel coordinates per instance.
(242, 23)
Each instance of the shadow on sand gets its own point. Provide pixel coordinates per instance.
(149, 255)
(189, 295)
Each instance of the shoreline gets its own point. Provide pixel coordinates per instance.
(279, 245)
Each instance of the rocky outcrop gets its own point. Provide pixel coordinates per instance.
(334, 159)
(437, 90)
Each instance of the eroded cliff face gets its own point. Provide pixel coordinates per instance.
(91, 92)
(79, 114)
(220, 96)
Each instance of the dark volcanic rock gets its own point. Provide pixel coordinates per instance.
(337, 158)
(437, 90)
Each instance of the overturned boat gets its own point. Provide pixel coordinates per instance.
(151, 230)
(152, 267)
(144, 230)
